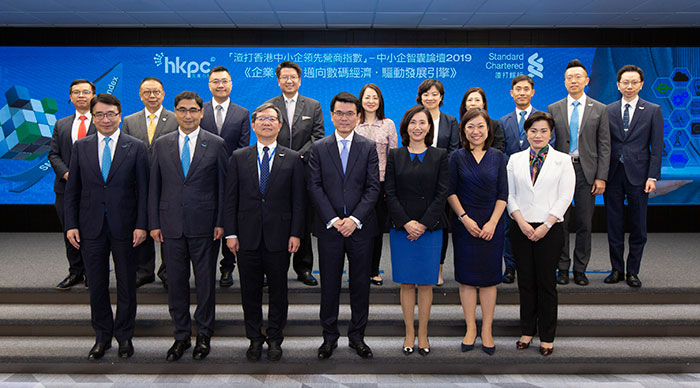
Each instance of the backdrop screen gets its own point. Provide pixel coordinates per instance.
(35, 83)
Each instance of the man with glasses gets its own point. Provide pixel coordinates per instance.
(264, 222)
(67, 131)
(582, 131)
(106, 212)
(344, 187)
(148, 125)
(230, 121)
(185, 214)
(302, 124)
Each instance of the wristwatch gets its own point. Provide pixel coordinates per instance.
(460, 217)
(548, 224)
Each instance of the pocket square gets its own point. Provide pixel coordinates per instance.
(306, 117)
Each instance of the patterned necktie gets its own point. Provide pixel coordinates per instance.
(264, 169)
(151, 128)
(219, 118)
(521, 128)
(81, 128)
(106, 159)
(344, 154)
(536, 162)
(573, 128)
(626, 118)
(185, 158)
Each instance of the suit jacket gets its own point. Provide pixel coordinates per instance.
(448, 134)
(307, 125)
(511, 132)
(135, 125)
(342, 195)
(593, 140)
(60, 150)
(189, 206)
(417, 192)
(642, 145)
(272, 217)
(122, 198)
(235, 129)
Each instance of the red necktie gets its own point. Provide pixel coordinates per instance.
(81, 128)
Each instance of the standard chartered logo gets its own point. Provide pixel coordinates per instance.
(535, 66)
(178, 66)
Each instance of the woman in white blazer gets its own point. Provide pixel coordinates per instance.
(541, 184)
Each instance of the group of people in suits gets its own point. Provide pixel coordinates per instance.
(189, 178)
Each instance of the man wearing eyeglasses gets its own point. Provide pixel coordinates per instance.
(583, 132)
(264, 222)
(344, 187)
(302, 124)
(185, 214)
(106, 212)
(67, 131)
(148, 125)
(230, 121)
(636, 133)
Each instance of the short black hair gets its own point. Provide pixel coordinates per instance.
(217, 69)
(287, 65)
(187, 95)
(539, 116)
(81, 81)
(346, 97)
(403, 127)
(266, 106)
(629, 68)
(576, 63)
(380, 107)
(522, 77)
(426, 85)
(475, 89)
(105, 98)
(469, 116)
(150, 79)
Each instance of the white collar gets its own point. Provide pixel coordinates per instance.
(157, 113)
(338, 138)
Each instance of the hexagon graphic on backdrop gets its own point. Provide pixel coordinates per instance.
(662, 87)
(679, 118)
(694, 107)
(694, 87)
(678, 159)
(678, 139)
(680, 97)
(680, 77)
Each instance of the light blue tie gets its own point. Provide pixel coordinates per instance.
(106, 159)
(521, 128)
(185, 158)
(344, 154)
(573, 128)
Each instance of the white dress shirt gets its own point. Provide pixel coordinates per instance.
(193, 141)
(436, 131)
(101, 145)
(157, 113)
(270, 153)
(76, 124)
(570, 110)
(633, 106)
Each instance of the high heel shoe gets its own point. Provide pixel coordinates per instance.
(466, 348)
(424, 351)
(522, 345)
(407, 350)
(489, 350)
(546, 351)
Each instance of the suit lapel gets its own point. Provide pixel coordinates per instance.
(123, 147)
(639, 111)
(228, 119)
(354, 153)
(616, 120)
(199, 150)
(164, 117)
(252, 166)
(277, 163)
(333, 153)
(173, 151)
(94, 155)
(298, 109)
(586, 114)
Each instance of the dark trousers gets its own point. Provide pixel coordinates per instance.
(228, 259)
(618, 187)
(332, 251)
(202, 253)
(382, 212)
(446, 233)
(508, 258)
(303, 259)
(75, 259)
(96, 256)
(146, 253)
(536, 263)
(585, 205)
(252, 267)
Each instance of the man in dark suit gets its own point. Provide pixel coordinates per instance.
(302, 125)
(264, 222)
(230, 121)
(522, 90)
(66, 131)
(636, 134)
(582, 131)
(106, 211)
(185, 213)
(344, 186)
(148, 125)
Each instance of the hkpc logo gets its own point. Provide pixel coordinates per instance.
(179, 66)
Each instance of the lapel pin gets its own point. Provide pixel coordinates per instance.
(204, 145)
(641, 107)
(281, 155)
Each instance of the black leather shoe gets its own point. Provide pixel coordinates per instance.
(614, 277)
(98, 350)
(178, 349)
(363, 350)
(274, 351)
(165, 283)
(562, 277)
(264, 281)
(326, 350)
(633, 281)
(307, 278)
(580, 278)
(509, 275)
(226, 279)
(376, 280)
(70, 281)
(140, 281)
(254, 350)
(126, 349)
(201, 349)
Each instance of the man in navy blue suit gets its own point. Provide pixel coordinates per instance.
(636, 138)
(105, 210)
(344, 186)
(230, 121)
(185, 213)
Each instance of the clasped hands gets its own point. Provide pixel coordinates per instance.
(345, 226)
(533, 234)
(485, 232)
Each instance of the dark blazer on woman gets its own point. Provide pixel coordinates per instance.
(417, 191)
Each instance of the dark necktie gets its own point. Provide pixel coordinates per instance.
(521, 128)
(264, 170)
(626, 118)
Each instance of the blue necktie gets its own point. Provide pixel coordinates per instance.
(344, 154)
(626, 118)
(521, 128)
(106, 159)
(573, 128)
(264, 170)
(185, 158)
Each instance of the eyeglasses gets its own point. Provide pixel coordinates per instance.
(577, 77)
(263, 119)
(79, 92)
(222, 82)
(340, 114)
(289, 78)
(155, 93)
(108, 115)
(628, 83)
(184, 111)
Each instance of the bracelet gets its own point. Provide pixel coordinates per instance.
(547, 224)
(460, 217)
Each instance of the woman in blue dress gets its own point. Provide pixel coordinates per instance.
(416, 183)
(478, 195)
